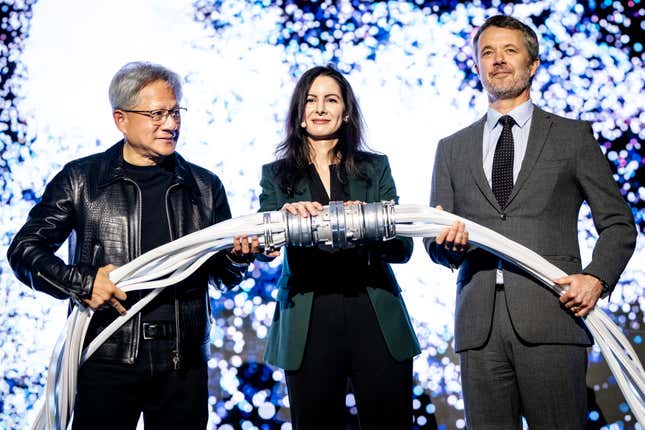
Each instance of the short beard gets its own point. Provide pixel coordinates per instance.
(511, 91)
(508, 92)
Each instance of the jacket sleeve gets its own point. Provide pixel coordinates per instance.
(31, 253)
(399, 249)
(442, 193)
(268, 199)
(268, 194)
(225, 269)
(611, 215)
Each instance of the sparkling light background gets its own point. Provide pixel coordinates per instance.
(409, 63)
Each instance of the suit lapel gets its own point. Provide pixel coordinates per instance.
(540, 126)
(301, 192)
(475, 157)
(357, 189)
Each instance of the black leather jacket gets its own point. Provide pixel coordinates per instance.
(92, 200)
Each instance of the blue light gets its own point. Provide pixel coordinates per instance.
(239, 90)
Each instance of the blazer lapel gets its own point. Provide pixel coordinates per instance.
(475, 160)
(357, 189)
(301, 192)
(540, 127)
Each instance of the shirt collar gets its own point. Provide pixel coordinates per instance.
(521, 114)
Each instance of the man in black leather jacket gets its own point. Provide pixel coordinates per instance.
(116, 205)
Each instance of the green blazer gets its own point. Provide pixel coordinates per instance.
(288, 334)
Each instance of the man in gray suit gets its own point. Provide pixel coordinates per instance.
(524, 173)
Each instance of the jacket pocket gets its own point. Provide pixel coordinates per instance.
(567, 263)
(567, 258)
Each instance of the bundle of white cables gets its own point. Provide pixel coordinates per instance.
(175, 261)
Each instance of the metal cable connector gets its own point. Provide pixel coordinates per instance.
(339, 226)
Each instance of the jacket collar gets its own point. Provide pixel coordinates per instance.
(113, 169)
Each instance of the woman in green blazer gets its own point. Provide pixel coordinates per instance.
(339, 314)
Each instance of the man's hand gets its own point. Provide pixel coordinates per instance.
(582, 295)
(104, 292)
(453, 238)
(243, 246)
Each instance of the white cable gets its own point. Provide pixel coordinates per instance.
(616, 349)
(175, 261)
(181, 258)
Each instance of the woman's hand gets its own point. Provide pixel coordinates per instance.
(304, 209)
(353, 203)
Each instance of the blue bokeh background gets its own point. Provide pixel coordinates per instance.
(410, 65)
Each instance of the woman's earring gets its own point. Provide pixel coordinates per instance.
(303, 124)
(346, 119)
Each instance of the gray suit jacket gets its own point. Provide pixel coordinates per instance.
(563, 167)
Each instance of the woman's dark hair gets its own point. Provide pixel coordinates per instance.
(293, 151)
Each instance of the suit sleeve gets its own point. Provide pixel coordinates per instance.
(268, 199)
(399, 249)
(31, 253)
(268, 195)
(611, 215)
(442, 193)
(224, 267)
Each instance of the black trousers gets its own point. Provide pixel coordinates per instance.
(345, 342)
(113, 396)
(508, 378)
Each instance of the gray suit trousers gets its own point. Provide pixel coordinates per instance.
(508, 377)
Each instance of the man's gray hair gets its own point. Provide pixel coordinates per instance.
(133, 77)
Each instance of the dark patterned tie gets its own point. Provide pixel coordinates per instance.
(502, 175)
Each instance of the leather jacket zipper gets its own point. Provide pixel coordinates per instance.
(176, 354)
(58, 287)
(136, 253)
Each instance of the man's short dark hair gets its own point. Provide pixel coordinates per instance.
(504, 21)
